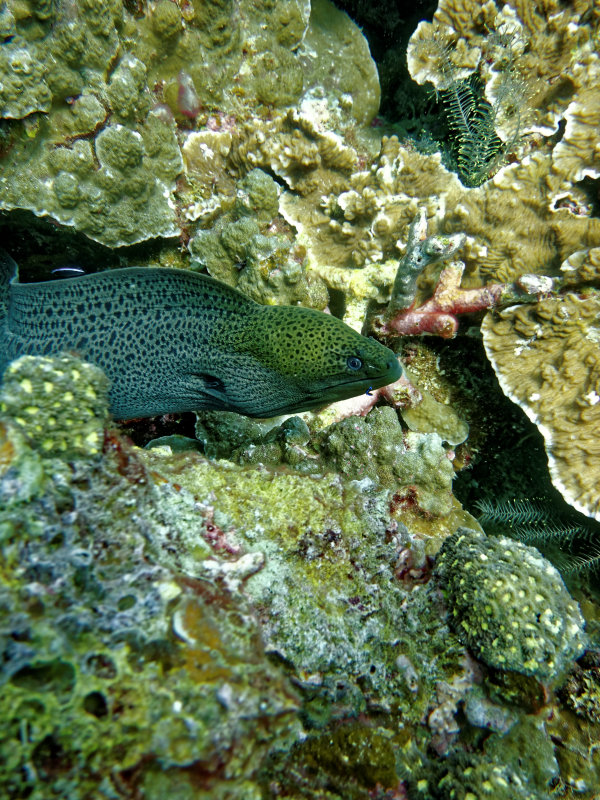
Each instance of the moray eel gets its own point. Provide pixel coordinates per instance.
(171, 341)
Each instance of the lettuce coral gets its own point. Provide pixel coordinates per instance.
(547, 358)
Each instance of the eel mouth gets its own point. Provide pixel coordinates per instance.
(325, 394)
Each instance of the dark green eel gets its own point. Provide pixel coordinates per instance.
(173, 341)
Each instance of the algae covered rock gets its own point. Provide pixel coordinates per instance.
(509, 605)
(113, 661)
(376, 447)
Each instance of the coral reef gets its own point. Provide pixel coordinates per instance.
(240, 250)
(534, 83)
(99, 158)
(514, 224)
(547, 359)
(154, 614)
(116, 191)
(581, 691)
(158, 604)
(516, 48)
(376, 448)
(302, 608)
(509, 605)
(98, 96)
(130, 600)
(439, 315)
(59, 403)
(110, 658)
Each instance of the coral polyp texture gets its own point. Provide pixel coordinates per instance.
(97, 158)
(547, 358)
(509, 605)
(95, 98)
(60, 404)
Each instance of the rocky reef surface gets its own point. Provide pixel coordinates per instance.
(219, 607)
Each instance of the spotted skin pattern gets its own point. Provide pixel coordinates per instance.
(173, 341)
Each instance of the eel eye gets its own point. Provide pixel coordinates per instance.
(354, 363)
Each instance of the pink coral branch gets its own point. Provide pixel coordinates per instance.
(439, 314)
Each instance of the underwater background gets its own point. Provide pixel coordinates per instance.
(394, 597)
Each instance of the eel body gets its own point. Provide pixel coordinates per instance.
(173, 341)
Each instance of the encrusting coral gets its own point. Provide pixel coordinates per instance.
(97, 98)
(122, 616)
(519, 52)
(509, 605)
(116, 651)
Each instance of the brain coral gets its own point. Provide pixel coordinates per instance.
(508, 604)
(547, 358)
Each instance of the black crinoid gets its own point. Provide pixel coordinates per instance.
(479, 106)
(565, 537)
(480, 150)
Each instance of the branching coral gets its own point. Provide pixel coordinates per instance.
(439, 314)
(514, 226)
